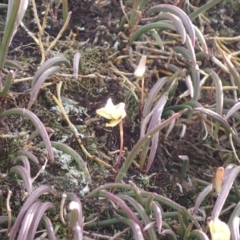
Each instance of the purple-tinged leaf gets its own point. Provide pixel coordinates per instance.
(141, 211)
(178, 12)
(77, 233)
(219, 89)
(177, 23)
(36, 122)
(134, 226)
(95, 192)
(219, 63)
(25, 175)
(183, 51)
(234, 223)
(195, 75)
(155, 120)
(36, 88)
(137, 192)
(49, 63)
(119, 202)
(152, 95)
(189, 84)
(207, 190)
(221, 120)
(190, 55)
(25, 162)
(227, 184)
(144, 124)
(38, 216)
(158, 215)
(76, 62)
(27, 221)
(63, 147)
(148, 226)
(232, 110)
(171, 125)
(29, 155)
(36, 133)
(201, 39)
(232, 70)
(30, 200)
(162, 25)
(169, 232)
(49, 227)
(162, 200)
(138, 146)
(153, 151)
(168, 202)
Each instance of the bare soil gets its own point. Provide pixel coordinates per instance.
(96, 26)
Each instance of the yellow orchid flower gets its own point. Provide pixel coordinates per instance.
(219, 230)
(115, 113)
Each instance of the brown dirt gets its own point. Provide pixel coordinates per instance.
(92, 94)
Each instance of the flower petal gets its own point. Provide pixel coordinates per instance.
(112, 112)
(102, 112)
(113, 122)
(219, 230)
(218, 180)
(119, 111)
(141, 68)
(109, 107)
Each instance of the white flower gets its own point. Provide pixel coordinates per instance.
(115, 113)
(219, 230)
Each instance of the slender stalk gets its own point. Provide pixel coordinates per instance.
(142, 98)
(121, 147)
(64, 196)
(9, 211)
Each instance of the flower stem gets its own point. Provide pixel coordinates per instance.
(117, 165)
(142, 98)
